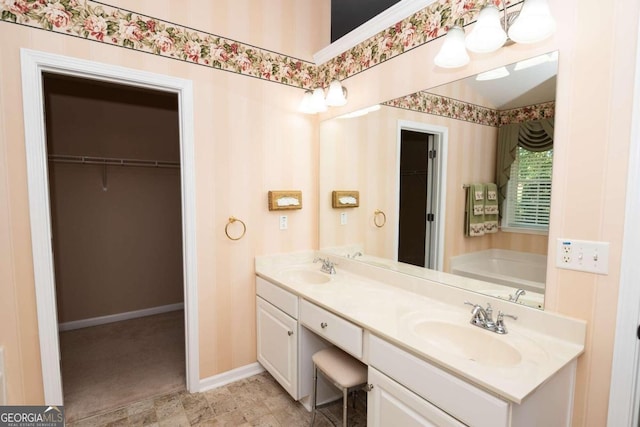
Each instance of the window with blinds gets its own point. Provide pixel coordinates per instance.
(529, 190)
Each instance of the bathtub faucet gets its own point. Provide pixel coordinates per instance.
(518, 294)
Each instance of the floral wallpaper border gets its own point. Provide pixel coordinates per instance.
(422, 27)
(102, 23)
(425, 102)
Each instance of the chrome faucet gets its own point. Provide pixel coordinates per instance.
(518, 294)
(357, 254)
(327, 266)
(483, 318)
(500, 327)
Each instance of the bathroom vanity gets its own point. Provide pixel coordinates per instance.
(427, 364)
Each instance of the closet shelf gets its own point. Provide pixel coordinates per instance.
(106, 161)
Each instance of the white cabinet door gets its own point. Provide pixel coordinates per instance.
(392, 405)
(277, 345)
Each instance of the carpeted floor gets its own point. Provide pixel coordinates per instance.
(108, 366)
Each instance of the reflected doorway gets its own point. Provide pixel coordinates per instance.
(416, 215)
(421, 180)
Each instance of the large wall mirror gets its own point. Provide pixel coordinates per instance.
(418, 163)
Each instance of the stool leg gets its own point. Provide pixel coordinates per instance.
(315, 393)
(345, 405)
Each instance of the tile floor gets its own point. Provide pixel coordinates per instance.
(255, 401)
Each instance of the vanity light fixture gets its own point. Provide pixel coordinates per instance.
(453, 53)
(336, 95)
(316, 102)
(533, 23)
(487, 34)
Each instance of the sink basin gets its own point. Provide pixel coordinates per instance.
(306, 276)
(468, 342)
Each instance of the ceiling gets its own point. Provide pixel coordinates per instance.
(347, 15)
(529, 86)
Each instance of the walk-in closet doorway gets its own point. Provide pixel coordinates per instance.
(114, 185)
(82, 270)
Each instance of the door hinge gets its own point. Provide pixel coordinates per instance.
(432, 154)
(430, 217)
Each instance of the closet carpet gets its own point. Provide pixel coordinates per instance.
(108, 366)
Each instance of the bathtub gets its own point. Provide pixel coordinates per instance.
(518, 270)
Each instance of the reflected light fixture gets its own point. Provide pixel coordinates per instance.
(361, 112)
(496, 73)
(315, 101)
(453, 53)
(533, 23)
(541, 59)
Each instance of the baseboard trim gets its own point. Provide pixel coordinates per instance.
(101, 320)
(230, 376)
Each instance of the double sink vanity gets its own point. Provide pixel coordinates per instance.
(436, 355)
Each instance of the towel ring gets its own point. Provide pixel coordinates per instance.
(375, 218)
(231, 221)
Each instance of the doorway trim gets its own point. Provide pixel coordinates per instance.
(34, 63)
(624, 394)
(441, 142)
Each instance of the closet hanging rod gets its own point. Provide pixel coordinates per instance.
(87, 160)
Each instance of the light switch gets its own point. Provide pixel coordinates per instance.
(583, 255)
(343, 218)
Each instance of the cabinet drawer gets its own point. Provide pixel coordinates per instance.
(285, 301)
(342, 333)
(464, 401)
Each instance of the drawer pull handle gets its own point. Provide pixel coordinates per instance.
(323, 325)
(289, 333)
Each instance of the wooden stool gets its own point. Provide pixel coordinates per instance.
(344, 372)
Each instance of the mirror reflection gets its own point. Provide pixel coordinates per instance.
(453, 179)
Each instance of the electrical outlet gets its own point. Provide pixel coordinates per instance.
(284, 222)
(566, 251)
(583, 255)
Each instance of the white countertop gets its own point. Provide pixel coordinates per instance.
(388, 304)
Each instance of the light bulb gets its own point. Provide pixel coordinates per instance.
(336, 96)
(452, 54)
(533, 24)
(317, 100)
(487, 34)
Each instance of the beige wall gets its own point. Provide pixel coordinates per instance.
(117, 250)
(249, 139)
(590, 167)
(362, 154)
